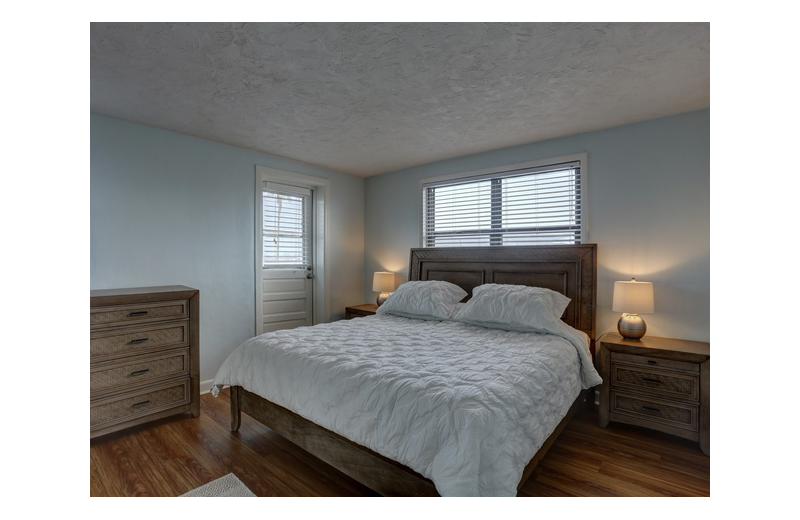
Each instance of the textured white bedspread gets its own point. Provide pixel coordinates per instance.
(465, 406)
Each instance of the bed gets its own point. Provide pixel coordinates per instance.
(455, 402)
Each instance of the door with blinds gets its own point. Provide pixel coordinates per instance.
(287, 268)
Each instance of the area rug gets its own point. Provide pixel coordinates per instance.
(227, 486)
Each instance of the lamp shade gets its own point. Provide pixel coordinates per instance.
(383, 282)
(633, 297)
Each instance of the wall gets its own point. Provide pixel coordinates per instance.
(648, 211)
(170, 209)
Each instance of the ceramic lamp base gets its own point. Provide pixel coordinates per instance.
(382, 297)
(631, 326)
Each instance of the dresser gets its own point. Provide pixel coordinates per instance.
(144, 355)
(658, 383)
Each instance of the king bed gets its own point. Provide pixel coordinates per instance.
(458, 385)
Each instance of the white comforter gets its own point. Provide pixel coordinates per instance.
(465, 406)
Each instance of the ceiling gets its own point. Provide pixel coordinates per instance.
(369, 98)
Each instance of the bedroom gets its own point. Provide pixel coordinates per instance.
(169, 208)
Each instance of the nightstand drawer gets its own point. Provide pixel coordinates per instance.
(667, 383)
(140, 313)
(655, 362)
(673, 414)
(135, 371)
(138, 340)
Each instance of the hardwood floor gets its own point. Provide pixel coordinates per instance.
(174, 455)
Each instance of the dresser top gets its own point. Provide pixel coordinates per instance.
(139, 294)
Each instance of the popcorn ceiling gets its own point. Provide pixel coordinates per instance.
(370, 98)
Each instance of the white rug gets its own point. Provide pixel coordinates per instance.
(227, 486)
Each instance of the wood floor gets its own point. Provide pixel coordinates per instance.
(174, 455)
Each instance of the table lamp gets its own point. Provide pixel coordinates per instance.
(383, 282)
(632, 299)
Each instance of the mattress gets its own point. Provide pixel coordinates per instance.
(463, 405)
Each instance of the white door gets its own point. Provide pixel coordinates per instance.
(287, 257)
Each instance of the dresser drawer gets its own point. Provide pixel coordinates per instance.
(106, 412)
(668, 383)
(137, 340)
(111, 316)
(677, 415)
(117, 376)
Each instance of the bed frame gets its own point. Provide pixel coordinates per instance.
(569, 269)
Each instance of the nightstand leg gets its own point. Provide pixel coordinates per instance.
(704, 446)
(603, 362)
(705, 407)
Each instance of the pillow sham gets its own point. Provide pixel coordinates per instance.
(425, 299)
(514, 307)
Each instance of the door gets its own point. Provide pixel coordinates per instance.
(287, 257)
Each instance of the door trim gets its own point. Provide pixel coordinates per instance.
(321, 189)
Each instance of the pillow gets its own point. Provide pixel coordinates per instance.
(514, 307)
(427, 300)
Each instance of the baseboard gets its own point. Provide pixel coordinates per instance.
(205, 386)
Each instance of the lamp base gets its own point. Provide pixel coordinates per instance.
(631, 326)
(382, 297)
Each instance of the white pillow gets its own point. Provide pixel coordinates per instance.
(514, 307)
(427, 300)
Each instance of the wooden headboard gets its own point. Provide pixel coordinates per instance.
(569, 269)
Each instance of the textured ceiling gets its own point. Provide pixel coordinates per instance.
(368, 98)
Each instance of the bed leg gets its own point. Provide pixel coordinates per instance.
(236, 412)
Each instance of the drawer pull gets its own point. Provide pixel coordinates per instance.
(651, 410)
(138, 314)
(652, 362)
(651, 381)
(138, 341)
(138, 405)
(140, 372)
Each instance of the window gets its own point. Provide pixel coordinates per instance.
(525, 206)
(286, 227)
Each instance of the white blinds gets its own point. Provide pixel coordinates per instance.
(531, 206)
(286, 227)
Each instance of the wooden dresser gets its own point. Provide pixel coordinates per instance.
(144, 355)
(658, 383)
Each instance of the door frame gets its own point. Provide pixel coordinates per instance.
(320, 188)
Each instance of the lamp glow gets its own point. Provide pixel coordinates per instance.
(383, 283)
(631, 299)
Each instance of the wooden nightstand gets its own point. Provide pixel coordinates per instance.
(357, 311)
(657, 383)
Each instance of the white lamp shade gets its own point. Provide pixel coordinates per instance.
(383, 282)
(633, 297)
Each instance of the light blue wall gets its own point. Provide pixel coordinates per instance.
(167, 209)
(648, 211)
(170, 209)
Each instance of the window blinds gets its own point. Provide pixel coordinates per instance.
(286, 227)
(541, 205)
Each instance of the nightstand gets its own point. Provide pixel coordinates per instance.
(657, 383)
(357, 311)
